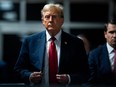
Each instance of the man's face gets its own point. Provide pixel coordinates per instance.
(110, 34)
(52, 20)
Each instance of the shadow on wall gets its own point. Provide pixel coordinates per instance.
(95, 36)
(86, 42)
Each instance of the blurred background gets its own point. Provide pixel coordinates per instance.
(19, 18)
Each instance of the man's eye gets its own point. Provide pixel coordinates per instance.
(47, 17)
(54, 16)
(111, 32)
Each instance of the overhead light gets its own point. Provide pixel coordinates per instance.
(6, 5)
(11, 16)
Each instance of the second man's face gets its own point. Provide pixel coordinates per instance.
(110, 34)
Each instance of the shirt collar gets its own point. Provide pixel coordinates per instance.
(57, 36)
(110, 49)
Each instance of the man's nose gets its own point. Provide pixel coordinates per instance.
(51, 18)
(114, 34)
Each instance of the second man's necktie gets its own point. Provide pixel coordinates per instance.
(114, 71)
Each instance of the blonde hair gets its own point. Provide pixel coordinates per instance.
(49, 6)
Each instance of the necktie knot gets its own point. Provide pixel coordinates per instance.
(114, 51)
(53, 38)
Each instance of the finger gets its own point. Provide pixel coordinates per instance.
(37, 73)
(58, 75)
(64, 75)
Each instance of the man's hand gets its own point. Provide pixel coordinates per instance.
(62, 78)
(35, 77)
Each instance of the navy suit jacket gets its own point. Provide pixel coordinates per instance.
(100, 66)
(73, 59)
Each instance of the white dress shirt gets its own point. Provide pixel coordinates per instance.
(57, 43)
(111, 55)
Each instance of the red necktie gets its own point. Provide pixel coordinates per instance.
(114, 71)
(53, 64)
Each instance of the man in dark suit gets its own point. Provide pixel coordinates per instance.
(72, 58)
(101, 59)
(3, 72)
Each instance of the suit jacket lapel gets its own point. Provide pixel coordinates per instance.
(40, 51)
(105, 61)
(64, 50)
